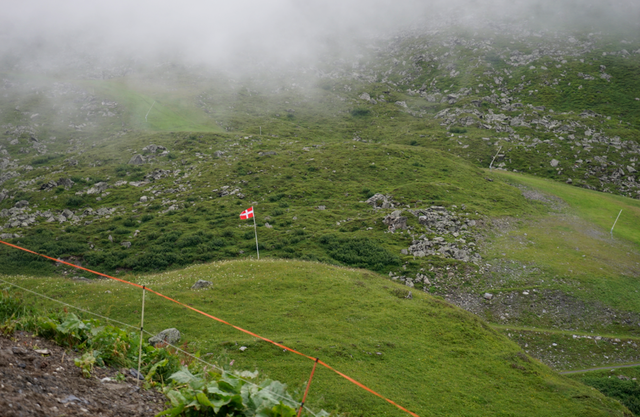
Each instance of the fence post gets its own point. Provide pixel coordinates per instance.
(141, 331)
(306, 391)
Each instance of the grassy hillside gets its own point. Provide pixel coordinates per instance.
(302, 192)
(427, 355)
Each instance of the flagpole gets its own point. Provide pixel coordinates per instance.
(255, 228)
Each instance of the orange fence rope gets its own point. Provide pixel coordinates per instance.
(216, 319)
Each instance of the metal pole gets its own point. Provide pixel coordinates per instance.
(614, 224)
(494, 158)
(145, 116)
(255, 228)
(141, 330)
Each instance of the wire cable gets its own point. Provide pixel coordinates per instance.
(184, 352)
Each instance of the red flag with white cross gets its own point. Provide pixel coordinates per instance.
(247, 214)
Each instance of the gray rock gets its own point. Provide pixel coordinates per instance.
(380, 201)
(134, 373)
(488, 296)
(21, 204)
(322, 207)
(201, 284)
(554, 163)
(218, 154)
(48, 186)
(266, 153)
(127, 245)
(98, 188)
(395, 221)
(169, 336)
(137, 160)
(143, 199)
(66, 182)
(268, 226)
(67, 213)
(365, 96)
(152, 149)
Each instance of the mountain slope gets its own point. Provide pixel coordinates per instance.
(423, 353)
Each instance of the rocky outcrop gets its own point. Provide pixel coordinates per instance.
(395, 221)
(380, 201)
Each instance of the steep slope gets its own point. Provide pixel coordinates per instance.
(427, 355)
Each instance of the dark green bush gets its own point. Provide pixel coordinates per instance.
(455, 129)
(626, 391)
(146, 217)
(74, 201)
(276, 197)
(189, 241)
(129, 223)
(359, 252)
(360, 112)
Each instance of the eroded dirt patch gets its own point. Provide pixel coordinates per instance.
(37, 384)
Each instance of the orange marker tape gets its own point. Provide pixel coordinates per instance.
(348, 378)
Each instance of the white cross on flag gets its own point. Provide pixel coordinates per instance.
(247, 214)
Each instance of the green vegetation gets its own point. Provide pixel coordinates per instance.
(620, 383)
(423, 353)
(192, 389)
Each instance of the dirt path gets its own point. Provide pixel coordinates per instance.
(599, 369)
(49, 384)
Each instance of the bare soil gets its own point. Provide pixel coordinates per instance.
(49, 384)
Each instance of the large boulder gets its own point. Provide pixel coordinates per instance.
(98, 188)
(137, 160)
(168, 336)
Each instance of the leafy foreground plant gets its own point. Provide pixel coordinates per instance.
(213, 394)
(193, 391)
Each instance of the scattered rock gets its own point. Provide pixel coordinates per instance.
(152, 149)
(488, 296)
(200, 284)
(126, 245)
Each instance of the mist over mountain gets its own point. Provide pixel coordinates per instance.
(247, 33)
